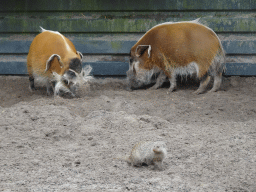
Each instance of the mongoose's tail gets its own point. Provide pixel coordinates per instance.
(124, 158)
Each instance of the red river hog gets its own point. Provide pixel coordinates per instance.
(181, 48)
(54, 61)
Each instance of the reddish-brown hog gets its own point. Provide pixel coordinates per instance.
(54, 61)
(171, 49)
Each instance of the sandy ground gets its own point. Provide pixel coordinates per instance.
(61, 144)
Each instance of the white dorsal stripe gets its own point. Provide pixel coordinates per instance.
(193, 21)
(58, 33)
(171, 22)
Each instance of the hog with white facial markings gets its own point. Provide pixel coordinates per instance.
(54, 61)
(181, 48)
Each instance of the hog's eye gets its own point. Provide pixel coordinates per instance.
(65, 81)
(131, 60)
(71, 74)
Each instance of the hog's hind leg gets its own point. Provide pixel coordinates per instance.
(203, 84)
(217, 82)
(173, 83)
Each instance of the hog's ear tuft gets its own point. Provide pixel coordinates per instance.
(48, 62)
(141, 49)
(80, 54)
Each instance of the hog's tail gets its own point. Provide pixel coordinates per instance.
(42, 29)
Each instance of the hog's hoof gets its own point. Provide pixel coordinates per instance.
(153, 88)
(128, 89)
(171, 89)
(49, 93)
(31, 89)
(198, 91)
(213, 90)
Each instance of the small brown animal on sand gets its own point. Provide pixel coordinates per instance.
(147, 152)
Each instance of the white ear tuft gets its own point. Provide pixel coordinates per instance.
(48, 62)
(149, 51)
(79, 53)
(140, 49)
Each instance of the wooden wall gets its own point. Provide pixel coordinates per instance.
(105, 30)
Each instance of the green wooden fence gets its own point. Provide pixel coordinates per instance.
(105, 30)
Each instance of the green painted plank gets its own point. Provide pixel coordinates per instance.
(99, 68)
(11, 24)
(104, 47)
(108, 68)
(239, 46)
(15, 47)
(240, 69)
(84, 46)
(9, 46)
(120, 68)
(231, 24)
(157, 15)
(13, 68)
(127, 5)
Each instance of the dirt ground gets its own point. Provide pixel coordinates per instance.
(61, 144)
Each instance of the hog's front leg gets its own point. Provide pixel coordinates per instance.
(173, 83)
(159, 81)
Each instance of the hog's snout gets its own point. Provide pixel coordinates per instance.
(133, 83)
